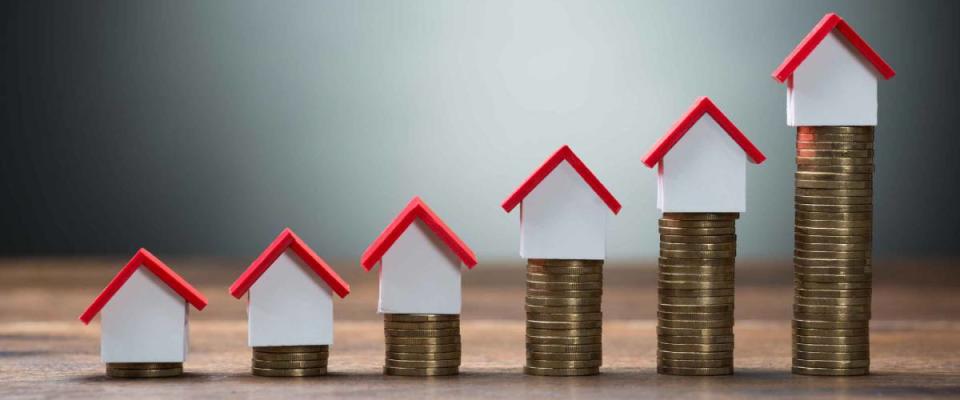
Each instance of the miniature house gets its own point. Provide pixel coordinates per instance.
(701, 163)
(563, 210)
(420, 260)
(290, 301)
(143, 313)
(832, 77)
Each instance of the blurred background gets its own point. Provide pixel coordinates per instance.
(202, 128)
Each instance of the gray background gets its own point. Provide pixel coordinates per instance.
(204, 128)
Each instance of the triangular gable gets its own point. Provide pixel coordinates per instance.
(416, 209)
(288, 239)
(700, 107)
(813, 39)
(155, 266)
(563, 154)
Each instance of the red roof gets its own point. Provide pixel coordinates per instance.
(563, 154)
(288, 240)
(416, 209)
(813, 39)
(702, 106)
(159, 269)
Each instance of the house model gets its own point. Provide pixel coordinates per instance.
(563, 210)
(420, 260)
(831, 77)
(701, 163)
(290, 295)
(143, 313)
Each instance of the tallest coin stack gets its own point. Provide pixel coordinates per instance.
(832, 256)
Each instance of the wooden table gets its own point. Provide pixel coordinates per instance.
(46, 353)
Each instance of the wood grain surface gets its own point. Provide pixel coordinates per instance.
(46, 353)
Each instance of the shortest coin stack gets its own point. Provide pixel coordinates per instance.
(144, 370)
(422, 344)
(696, 279)
(290, 361)
(564, 319)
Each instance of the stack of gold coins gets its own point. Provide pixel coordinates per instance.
(144, 369)
(833, 246)
(563, 317)
(422, 344)
(290, 361)
(696, 281)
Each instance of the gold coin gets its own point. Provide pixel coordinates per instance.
(664, 362)
(699, 263)
(532, 316)
(532, 355)
(830, 262)
(804, 324)
(864, 240)
(589, 308)
(564, 324)
(704, 239)
(834, 285)
(835, 161)
(831, 348)
(831, 332)
(451, 355)
(564, 340)
(423, 363)
(838, 301)
(565, 293)
(287, 364)
(833, 200)
(819, 223)
(852, 132)
(694, 332)
(833, 294)
(839, 169)
(704, 348)
(697, 301)
(814, 356)
(835, 145)
(695, 292)
(300, 372)
(849, 208)
(862, 231)
(694, 371)
(832, 316)
(564, 364)
(144, 373)
(817, 254)
(399, 371)
(292, 349)
(833, 192)
(423, 348)
(540, 269)
(855, 309)
(416, 333)
(421, 325)
(695, 355)
(831, 177)
(838, 271)
(565, 263)
(561, 371)
(834, 340)
(698, 339)
(832, 278)
(561, 348)
(576, 278)
(830, 371)
(564, 332)
(697, 269)
(664, 230)
(713, 308)
(801, 245)
(834, 364)
(697, 253)
(421, 317)
(698, 246)
(721, 316)
(834, 153)
(145, 365)
(695, 324)
(565, 285)
(701, 216)
(562, 301)
(680, 223)
(289, 356)
(811, 184)
(422, 340)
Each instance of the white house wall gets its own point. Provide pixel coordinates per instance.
(834, 86)
(704, 172)
(145, 321)
(419, 275)
(563, 218)
(290, 305)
